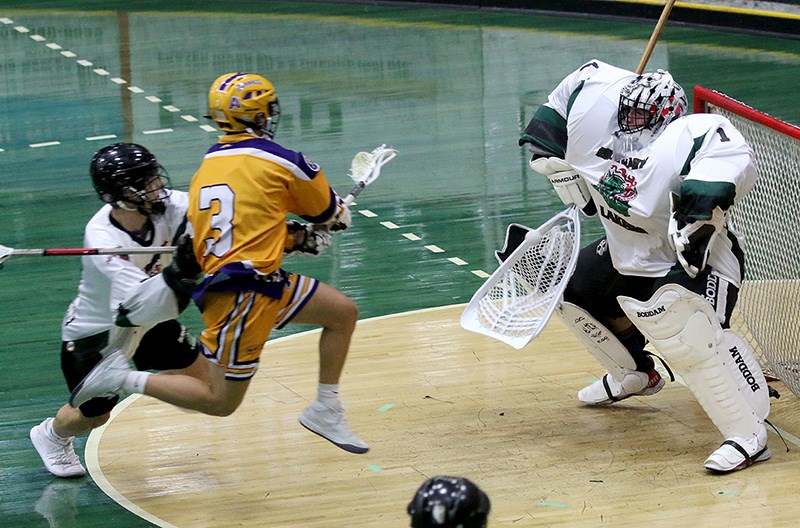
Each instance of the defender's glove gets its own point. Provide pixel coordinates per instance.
(309, 239)
(568, 184)
(693, 239)
(182, 274)
(342, 219)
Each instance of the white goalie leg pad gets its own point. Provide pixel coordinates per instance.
(683, 327)
(601, 343)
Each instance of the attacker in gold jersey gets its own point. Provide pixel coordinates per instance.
(239, 201)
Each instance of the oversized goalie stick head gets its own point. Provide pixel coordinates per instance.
(449, 502)
(127, 175)
(650, 102)
(241, 101)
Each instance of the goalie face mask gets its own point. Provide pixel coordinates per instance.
(649, 103)
(449, 502)
(241, 101)
(127, 175)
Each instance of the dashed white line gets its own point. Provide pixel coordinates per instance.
(434, 248)
(69, 54)
(208, 128)
(153, 99)
(390, 225)
(480, 273)
(118, 80)
(45, 144)
(457, 261)
(53, 46)
(21, 29)
(6, 21)
(84, 62)
(135, 89)
(170, 108)
(98, 138)
(37, 38)
(411, 236)
(157, 131)
(189, 118)
(101, 71)
(367, 213)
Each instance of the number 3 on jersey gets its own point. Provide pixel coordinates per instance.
(222, 220)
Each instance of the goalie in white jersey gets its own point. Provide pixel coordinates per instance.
(140, 210)
(669, 268)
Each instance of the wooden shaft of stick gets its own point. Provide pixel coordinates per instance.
(651, 44)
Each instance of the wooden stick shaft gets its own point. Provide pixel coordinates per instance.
(651, 44)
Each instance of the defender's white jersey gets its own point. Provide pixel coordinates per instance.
(631, 188)
(107, 280)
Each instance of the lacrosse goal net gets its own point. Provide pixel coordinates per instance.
(766, 313)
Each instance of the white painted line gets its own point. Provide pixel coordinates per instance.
(368, 213)
(153, 99)
(480, 273)
(69, 54)
(170, 108)
(118, 80)
(22, 29)
(158, 131)
(46, 144)
(457, 261)
(101, 71)
(84, 62)
(37, 38)
(411, 236)
(97, 138)
(135, 89)
(434, 249)
(189, 118)
(208, 128)
(2, 150)
(390, 225)
(53, 46)
(6, 21)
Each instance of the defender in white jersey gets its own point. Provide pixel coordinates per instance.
(140, 210)
(669, 268)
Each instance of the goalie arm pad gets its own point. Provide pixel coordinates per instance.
(568, 184)
(693, 238)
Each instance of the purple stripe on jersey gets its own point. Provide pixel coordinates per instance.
(273, 148)
(226, 82)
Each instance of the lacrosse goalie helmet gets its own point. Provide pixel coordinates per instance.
(236, 99)
(449, 502)
(655, 100)
(127, 175)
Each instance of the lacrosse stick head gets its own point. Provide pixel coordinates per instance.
(366, 166)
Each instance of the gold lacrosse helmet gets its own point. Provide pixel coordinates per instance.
(235, 99)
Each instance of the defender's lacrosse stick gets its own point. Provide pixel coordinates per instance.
(7, 252)
(366, 167)
(516, 301)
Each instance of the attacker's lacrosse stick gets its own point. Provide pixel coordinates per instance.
(366, 167)
(7, 252)
(517, 300)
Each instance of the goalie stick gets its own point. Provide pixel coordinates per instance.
(515, 303)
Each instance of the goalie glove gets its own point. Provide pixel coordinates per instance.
(309, 239)
(693, 239)
(568, 184)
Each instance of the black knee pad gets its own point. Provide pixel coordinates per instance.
(78, 357)
(166, 346)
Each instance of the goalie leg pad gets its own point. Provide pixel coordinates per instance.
(622, 380)
(684, 328)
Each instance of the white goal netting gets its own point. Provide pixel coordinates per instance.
(767, 311)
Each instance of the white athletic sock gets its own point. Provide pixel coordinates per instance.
(328, 395)
(49, 429)
(135, 382)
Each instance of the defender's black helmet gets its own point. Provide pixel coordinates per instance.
(449, 502)
(127, 172)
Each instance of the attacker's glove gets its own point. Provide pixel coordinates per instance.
(309, 239)
(342, 219)
(568, 184)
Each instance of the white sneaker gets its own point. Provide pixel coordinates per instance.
(330, 425)
(59, 456)
(608, 390)
(103, 381)
(739, 453)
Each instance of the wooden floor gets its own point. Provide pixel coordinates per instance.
(432, 399)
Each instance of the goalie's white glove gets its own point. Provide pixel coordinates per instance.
(693, 240)
(309, 239)
(568, 184)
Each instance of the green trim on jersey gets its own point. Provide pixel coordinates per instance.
(687, 166)
(547, 131)
(699, 198)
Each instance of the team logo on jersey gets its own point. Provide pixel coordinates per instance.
(618, 188)
(311, 165)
